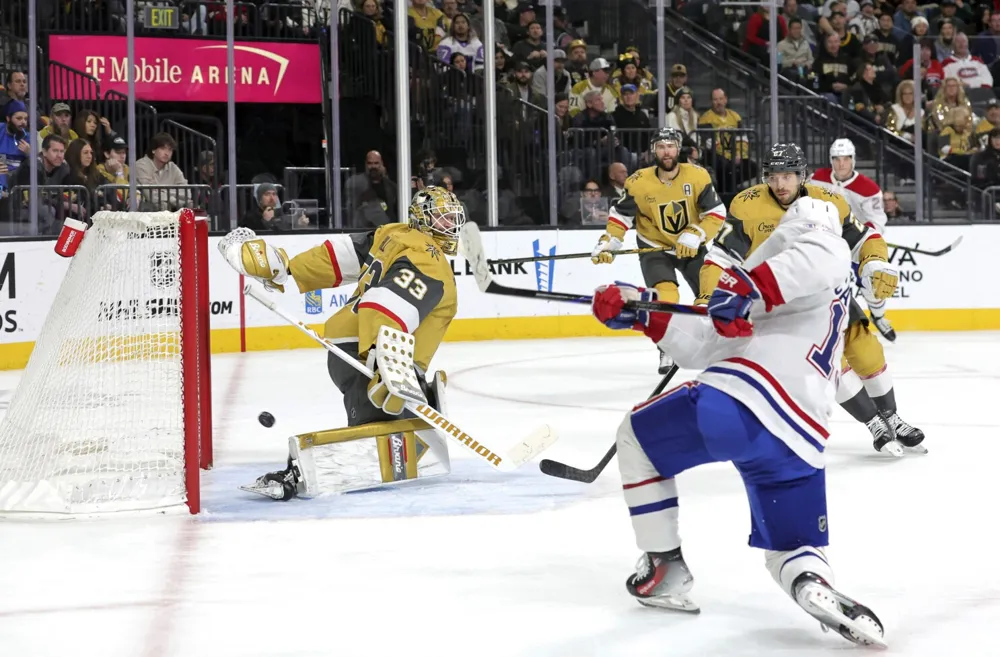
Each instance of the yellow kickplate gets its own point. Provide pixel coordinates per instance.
(372, 430)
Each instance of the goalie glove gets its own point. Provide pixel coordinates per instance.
(600, 254)
(378, 392)
(608, 306)
(252, 256)
(879, 279)
(689, 241)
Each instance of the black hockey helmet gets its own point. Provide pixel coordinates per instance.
(666, 134)
(784, 158)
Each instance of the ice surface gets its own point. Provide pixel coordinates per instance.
(520, 565)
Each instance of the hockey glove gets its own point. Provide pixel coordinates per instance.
(729, 305)
(608, 307)
(259, 260)
(878, 279)
(689, 241)
(378, 392)
(600, 253)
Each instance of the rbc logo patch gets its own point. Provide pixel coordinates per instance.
(314, 302)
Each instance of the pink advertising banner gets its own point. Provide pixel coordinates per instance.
(191, 69)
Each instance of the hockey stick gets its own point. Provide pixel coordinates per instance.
(572, 256)
(527, 449)
(563, 471)
(914, 249)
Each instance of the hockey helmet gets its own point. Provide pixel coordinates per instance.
(842, 148)
(785, 158)
(438, 213)
(665, 134)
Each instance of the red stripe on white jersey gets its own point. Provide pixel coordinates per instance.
(813, 424)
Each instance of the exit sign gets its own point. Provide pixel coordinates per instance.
(161, 18)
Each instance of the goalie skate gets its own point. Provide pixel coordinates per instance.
(662, 580)
(853, 621)
(281, 485)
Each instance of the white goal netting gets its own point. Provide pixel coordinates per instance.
(96, 423)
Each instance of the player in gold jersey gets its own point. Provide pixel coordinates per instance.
(671, 204)
(404, 282)
(865, 389)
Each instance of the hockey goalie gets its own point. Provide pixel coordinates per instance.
(404, 283)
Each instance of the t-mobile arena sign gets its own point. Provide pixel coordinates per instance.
(191, 69)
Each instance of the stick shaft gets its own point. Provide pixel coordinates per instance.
(572, 256)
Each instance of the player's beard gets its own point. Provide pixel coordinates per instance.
(673, 164)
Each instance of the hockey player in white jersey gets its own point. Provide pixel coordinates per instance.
(865, 198)
(769, 354)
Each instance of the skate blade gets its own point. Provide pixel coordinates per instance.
(916, 449)
(680, 603)
(268, 491)
(893, 449)
(821, 604)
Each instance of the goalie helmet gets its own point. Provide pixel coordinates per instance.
(785, 158)
(438, 213)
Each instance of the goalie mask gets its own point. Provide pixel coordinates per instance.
(438, 213)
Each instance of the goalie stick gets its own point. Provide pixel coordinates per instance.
(525, 450)
(914, 249)
(563, 471)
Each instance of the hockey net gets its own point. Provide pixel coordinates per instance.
(113, 410)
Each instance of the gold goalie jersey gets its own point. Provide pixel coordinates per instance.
(404, 281)
(755, 212)
(660, 211)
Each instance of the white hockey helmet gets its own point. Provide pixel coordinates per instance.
(818, 213)
(842, 148)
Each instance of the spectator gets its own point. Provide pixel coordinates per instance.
(82, 165)
(888, 42)
(194, 18)
(891, 206)
(628, 74)
(563, 120)
(794, 52)
(831, 70)
(531, 49)
(61, 118)
(156, 169)
(598, 81)
(969, 69)
(617, 175)
(371, 196)
(867, 99)
(948, 10)
(866, 22)
(577, 66)
(52, 171)
(950, 96)
(756, 43)
(683, 116)
(450, 10)
(588, 207)
(850, 44)
(374, 30)
(267, 213)
(629, 116)
(987, 45)
(944, 45)
(827, 11)
(594, 115)
(14, 142)
(15, 88)
(985, 165)
(521, 87)
(987, 125)
(905, 14)
(957, 146)
(504, 65)
(644, 72)
(562, 83)
(885, 72)
(524, 15)
(114, 171)
(565, 34)
(499, 26)
(931, 71)
(96, 130)
(461, 39)
(850, 8)
(791, 11)
(917, 34)
(678, 81)
(902, 114)
(732, 149)
(428, 22)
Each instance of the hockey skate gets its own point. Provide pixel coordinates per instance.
(280, 485)
(908, 436)
(666, 362)
(884, 327)
(883, 437)
(855, 622)
(662, 580)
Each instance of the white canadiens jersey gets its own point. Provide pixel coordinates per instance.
(861, 193)
(787, 372)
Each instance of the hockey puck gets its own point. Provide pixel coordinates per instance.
(266, 419)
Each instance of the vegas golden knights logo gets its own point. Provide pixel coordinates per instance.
(673, 217)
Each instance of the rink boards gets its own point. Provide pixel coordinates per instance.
(951, 292)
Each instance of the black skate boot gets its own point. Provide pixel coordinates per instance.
(908, 436)
(666, 362)
(280, 485)
(884, 327)
(883, 437)
(662, 580)
(855, 622)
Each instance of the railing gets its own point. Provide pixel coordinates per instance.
(115, 109)
(53, 205)
(76, 88)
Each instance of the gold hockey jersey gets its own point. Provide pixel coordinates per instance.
(404, 281)
(754, 214)
(659, 211)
